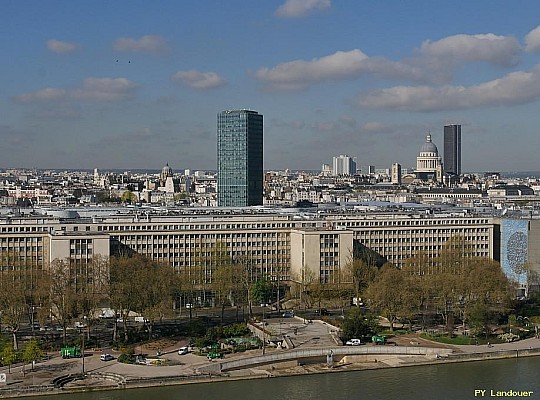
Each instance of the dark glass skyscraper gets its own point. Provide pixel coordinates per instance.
(240, 158)
(452, 149)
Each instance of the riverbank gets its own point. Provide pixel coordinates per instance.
(186, 369)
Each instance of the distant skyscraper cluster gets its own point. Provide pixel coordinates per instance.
(452, 149)
(240, 158)
(343, 165)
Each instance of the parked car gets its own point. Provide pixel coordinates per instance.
(287, 314)
(106, 357)
(353, 342)
(183, 350)
(322, 311)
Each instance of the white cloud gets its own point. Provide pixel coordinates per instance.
(500, 50)
(92, 89)
(300, 8)
(199, 80)
(149, 44)
(435, 62)
(299, 74)
(514, 88)
(106, 89)
(532, 40)
(58, 46)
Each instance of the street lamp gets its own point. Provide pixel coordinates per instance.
(82, 347)
(264, 332)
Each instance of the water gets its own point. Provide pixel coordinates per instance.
(445, 381)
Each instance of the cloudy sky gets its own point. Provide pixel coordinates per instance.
(137, 84)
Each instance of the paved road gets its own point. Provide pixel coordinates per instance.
(303, 335)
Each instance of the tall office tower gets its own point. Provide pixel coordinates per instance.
(240, 158)
(343, 165)
(396, 173)
(452, 149)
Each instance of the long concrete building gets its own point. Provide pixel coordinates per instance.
(279, 243)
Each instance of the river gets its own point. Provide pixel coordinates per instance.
(444, 381)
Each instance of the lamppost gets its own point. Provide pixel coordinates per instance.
(82, 344)
(264, 332)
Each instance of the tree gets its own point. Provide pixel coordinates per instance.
(9, 355)
(12, 303)
(92, 287)
(19, 294)
(358, 325)
(64, 299)
(223, 283)
(32, 352)
(386, 293)
(126, 287)
(157, 295)
(188, 283)
(141, 285)
(128, 197)
(246, 273)
(361, 274)
(262, 290)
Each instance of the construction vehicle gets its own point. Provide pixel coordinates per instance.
(70, 352)
(378, 339)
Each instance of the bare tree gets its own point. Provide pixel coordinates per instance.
(64, 300)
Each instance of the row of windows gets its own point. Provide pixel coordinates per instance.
(413, 222)
(422, 239)
(20, 239)
(9, 229)
(273, 225)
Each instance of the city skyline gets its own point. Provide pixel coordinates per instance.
(131, 85)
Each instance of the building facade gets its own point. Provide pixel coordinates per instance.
(396, 174)
(452, 149)
(278, 244)
(343, 165)
(240, 158)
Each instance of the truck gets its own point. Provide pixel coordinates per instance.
(378, 339)
(70, 352)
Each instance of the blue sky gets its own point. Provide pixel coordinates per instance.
(137, 84)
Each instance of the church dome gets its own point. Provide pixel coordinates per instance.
(429, 147)
(166, 171)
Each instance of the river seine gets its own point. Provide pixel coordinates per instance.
(499, 379)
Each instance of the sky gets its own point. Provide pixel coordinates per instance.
(138, 84)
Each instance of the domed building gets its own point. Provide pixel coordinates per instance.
(166, 172)
(429, 166)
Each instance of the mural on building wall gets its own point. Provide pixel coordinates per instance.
(514, 239)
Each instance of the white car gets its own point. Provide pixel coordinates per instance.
(106, 357)
(353, 342)
(183, 350)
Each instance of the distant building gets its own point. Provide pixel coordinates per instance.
(326, 170)
(240, 158)
(396, 173)
(343, 165)
(452, 149)
(428, 162)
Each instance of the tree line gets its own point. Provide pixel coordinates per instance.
(68, 291)
(454, 286)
